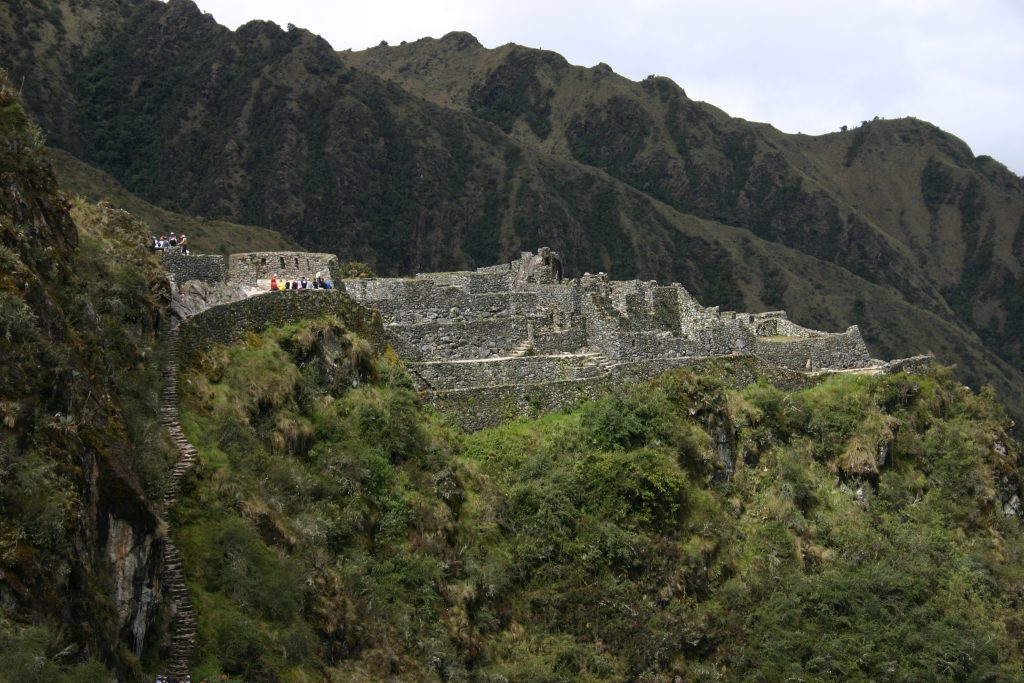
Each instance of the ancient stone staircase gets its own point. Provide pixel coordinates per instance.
(523, 349)
(183, 613)
(600, 360)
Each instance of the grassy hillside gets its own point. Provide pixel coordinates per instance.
(337, 530)
(440, 154)
(204, 236)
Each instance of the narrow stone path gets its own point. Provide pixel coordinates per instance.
(182, 612)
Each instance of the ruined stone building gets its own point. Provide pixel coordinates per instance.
(486, 344)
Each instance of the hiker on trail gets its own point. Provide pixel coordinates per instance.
(273, 283)
(327, 284)
(304, 282)
(183, 243)
(162, 242)
(156, 243)
(173, 241)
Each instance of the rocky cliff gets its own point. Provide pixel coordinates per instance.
(81, 304)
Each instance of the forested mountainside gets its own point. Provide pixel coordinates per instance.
(336, 528)
(81, 458)
(900, 203)
(441, 154)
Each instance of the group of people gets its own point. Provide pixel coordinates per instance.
(174, 241)
(317, 282)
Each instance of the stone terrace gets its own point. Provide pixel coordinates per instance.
(519, 325)
(488, 344)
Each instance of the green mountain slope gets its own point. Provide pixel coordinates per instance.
(440, 154)
(205, 236)
(677, 530)
(337, 529)
(896, 202)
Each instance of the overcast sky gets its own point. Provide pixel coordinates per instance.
(801, 65)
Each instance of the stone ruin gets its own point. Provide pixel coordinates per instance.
(500, 341)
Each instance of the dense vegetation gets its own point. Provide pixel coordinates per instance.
(204, 236)
(81, 304)
(852, 530)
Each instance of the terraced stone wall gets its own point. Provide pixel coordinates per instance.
(518, 371)
(834, 351)
(437, 341)
(287, 265)
(206, 267)
(481, 407)
(230, 322)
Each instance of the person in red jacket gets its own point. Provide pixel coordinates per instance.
(273, 283)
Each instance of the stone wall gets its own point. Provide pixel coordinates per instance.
(406, 301)
(204, 267)
(834, 351)
(450, 341)
(230, 322)
(512, 339)
(488, 406)
(253, 267)
(781, 327)
(446, 375)
(481, 407)
(508, 309)
(249, 269)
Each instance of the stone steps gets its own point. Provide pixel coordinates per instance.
(600, 360)
(183, 640)
(523, 349)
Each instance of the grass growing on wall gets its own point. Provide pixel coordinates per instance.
(338, 530)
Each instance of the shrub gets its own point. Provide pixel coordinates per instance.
(36, 655)
(642, 488)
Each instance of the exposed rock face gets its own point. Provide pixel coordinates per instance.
(195, 296)
(135, 568)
